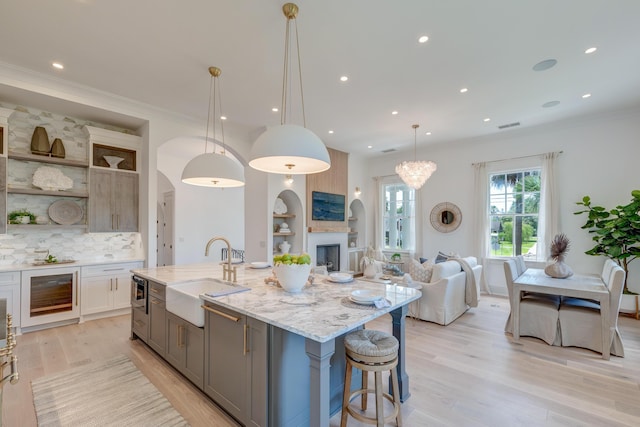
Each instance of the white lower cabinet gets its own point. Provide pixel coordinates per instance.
(10, 290)
(106, 287)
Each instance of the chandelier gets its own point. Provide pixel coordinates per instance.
(213, 169)
(415, 173)
(289, 149)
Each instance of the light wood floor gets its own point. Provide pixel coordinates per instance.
(466, 374)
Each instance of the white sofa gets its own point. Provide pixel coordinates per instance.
(444, 296)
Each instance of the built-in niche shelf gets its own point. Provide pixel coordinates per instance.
(38, 192)
(45, 226)
(128, 156)
(284, 234)
(48, 159)
(284, 215)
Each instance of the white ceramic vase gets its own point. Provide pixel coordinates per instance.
(559, 270)
(284, 247)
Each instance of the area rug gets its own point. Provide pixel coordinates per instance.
(107, 393)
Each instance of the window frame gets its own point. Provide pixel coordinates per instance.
(412, 202)
(539, 215)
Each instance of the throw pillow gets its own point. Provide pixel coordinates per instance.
(442, 257)
(420, 272)
(423, 260)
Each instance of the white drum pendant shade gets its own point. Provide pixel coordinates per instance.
(289, 149)
(213, 170)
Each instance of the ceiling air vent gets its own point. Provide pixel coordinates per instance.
(510, 125)
(389, 150)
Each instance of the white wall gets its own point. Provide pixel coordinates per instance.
(600, 158)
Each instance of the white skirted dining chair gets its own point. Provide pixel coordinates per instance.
(521, 267)
(580, 320)
(538, 314)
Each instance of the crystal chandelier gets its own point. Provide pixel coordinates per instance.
(415, 173)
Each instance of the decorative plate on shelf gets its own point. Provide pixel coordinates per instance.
(65, 212)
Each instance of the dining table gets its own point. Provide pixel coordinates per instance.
(584, 286)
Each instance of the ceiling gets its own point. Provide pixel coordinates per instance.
(158, 53)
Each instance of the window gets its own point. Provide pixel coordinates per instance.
(514, 203)
(398, 217)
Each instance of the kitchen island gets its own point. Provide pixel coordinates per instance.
(304, 335)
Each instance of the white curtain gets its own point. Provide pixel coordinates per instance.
(549, 205)
(481, 205)
(417, 248)
(377, 226)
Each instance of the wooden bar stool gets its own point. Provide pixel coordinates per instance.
(371, 351)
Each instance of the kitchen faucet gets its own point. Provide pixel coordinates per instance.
(227, 271)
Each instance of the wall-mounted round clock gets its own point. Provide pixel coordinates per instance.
(446, 217)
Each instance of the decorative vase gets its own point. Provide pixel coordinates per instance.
(40, 141)
(369, 270)
(57, 148)
(284, 247)
(559, 270)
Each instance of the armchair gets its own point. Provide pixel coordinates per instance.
(447, 290)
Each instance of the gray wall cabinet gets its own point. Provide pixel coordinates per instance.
(236, 364)
(113, 205)
(185, 348)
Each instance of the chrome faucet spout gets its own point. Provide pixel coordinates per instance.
(227, 271)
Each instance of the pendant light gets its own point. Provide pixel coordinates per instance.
(415, 173)
(213, 169)
(289, 149)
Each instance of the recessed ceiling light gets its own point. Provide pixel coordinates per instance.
(223, 117)
(57, 65)
(394, 113)
(330, 131)
(423, 39)
(464, 90)
(274, 109)
(586, 95)
(487, 119)
(550, 104)
(369, 146)
(428, 133)
(344, 78)
(590, 50)
(544, 65)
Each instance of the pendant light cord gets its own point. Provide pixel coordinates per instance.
(285, 74)
(206, 138)
(224, 149)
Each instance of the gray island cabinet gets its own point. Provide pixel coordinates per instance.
(236, 362)
(157, 318)
(271, 358)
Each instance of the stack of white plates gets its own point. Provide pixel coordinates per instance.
(260, 264)
(341, 277)
(365, 297)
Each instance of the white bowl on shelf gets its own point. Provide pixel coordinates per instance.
(113, 161)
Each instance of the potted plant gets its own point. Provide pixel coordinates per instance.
(21, 216)
(616, 232)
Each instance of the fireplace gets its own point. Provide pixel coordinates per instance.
(329, 256)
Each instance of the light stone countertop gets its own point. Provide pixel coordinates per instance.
(317, 313)
(78, 263)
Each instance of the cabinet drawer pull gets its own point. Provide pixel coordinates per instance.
(113, 269)
(155, 291)
(155, 302)
(116, 283)
(219, 313)
(245, 350)
(77, 296)
(111, 284)
(180, 336)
